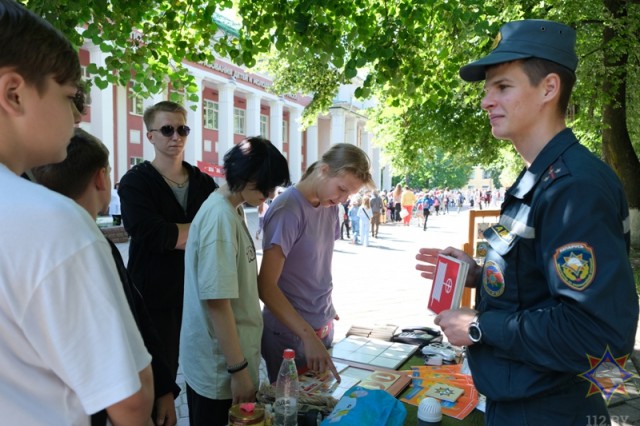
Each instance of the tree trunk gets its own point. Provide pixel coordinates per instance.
(617, 150)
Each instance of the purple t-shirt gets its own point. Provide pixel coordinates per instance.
(306, 235)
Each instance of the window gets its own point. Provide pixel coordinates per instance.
(285, 131)
(136, 105)
(238, 121)
(135, 160)
(264, 126)
(210, 114)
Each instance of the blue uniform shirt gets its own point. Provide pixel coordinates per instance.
(557, 285)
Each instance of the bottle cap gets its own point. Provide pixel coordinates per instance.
(430, 410)
(289, 354)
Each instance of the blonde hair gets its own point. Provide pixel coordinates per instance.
(345, 158)
(367, 202)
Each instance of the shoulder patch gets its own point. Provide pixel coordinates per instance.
(575, 265)
(493, 279)
(555, 171)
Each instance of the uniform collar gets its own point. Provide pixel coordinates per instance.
(543, 162)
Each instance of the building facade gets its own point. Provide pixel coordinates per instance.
(233, 104)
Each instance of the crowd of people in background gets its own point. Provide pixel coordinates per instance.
(361, 215)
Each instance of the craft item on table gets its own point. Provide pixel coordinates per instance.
(378, 331)
(445, 392)
(391, 381)
(425, 377)
(448, 284)
(313, 383)
(374, 352)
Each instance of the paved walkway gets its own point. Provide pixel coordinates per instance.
(380, 285)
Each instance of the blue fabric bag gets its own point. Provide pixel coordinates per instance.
(360, 406)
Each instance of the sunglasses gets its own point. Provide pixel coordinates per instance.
(168, 130)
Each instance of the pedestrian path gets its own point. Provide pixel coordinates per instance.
(380, 285)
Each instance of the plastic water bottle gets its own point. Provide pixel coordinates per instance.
(286, 405)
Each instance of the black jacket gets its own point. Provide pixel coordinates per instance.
(150, 212)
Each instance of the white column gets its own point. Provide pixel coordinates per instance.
(253, 115)
(225, 119)
(337, 126)
(351, 129)
(366, 141)
(375, 162)
(312, 144)
(275, 123)
(295, 144)
(193, 149)
(121, 138)
(102, 118)
(386, 179)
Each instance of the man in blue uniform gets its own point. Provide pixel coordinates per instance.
(556, 291)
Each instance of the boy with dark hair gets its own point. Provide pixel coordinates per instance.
(70, 344)
(222, 327)
(556, 290)
(84, 176)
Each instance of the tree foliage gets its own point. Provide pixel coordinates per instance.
(410, 52)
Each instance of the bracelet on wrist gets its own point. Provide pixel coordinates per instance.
(237, 367)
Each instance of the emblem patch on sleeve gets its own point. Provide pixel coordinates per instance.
(493, 279)
(575, 265)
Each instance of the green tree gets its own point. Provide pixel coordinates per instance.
(409, 50)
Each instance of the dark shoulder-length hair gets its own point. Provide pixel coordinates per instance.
(256, 160)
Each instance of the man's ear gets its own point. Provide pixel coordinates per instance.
(11, 97)
(551, 87)
(100, 179)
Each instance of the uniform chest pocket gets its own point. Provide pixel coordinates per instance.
(499, 274)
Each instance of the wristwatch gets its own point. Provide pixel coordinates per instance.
(475, 334)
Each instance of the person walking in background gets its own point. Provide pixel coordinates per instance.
(222, 326)
(70, 346)
(262, 210)
(159, 200)
(114, 206)
(376, 213)
(554, 293)
(295, 278)
(460, 201)
(385, 207)
(84, 176)
(427, 202)
(397, 203)
(408, 200)
(345, 225)
(364, 219)
(354, 218)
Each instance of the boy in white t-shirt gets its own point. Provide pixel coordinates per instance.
(71, 347)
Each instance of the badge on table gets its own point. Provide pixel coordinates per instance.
(445, 392)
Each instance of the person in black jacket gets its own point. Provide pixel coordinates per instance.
(84, 176)
(159, 199)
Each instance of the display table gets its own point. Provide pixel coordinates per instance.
(476, 418)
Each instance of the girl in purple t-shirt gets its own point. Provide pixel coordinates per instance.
(295, 281)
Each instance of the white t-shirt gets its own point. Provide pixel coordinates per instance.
(220, 263)
(70, 346)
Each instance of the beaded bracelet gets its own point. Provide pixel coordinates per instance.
(237, 367)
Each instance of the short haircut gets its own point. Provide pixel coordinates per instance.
(164, 106)
(536, 69)
(258, 161)
(345, 158)
(85, 156)
(34, 48)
